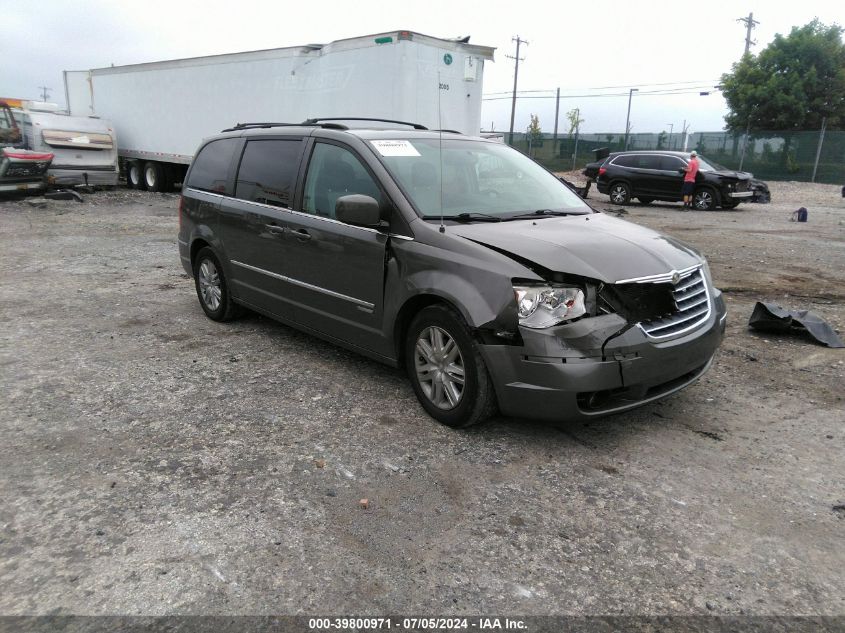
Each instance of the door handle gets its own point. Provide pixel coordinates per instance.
(302, 235)
(275, 229)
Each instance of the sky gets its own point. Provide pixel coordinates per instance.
(580, 47)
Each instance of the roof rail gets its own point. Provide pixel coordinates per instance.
(449, 131)
(269, 124)
(416, 126)
(246, 126)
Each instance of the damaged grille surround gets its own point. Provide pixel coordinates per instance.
(665, 305)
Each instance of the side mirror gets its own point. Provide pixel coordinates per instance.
(358, 209)
(682, 171)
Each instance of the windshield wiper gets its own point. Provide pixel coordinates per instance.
(466, 217)
(540, 213)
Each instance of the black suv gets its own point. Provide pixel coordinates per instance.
(658, 175)
(456, 258)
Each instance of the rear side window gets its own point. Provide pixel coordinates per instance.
(268, 171)
(639, 161)
(671, 163)
(210, 171)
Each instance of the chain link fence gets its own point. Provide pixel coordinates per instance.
(812, 156)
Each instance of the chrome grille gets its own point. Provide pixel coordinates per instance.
(693, 301)
(741, 185)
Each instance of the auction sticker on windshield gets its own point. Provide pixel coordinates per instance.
(395, 148)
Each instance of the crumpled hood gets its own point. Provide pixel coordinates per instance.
(595, 245)
(739, 175)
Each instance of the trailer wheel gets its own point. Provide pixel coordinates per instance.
(134, 177)
(154, 179)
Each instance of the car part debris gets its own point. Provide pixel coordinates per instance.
(770, 317)
(63, 194)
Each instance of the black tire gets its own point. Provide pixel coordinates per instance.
(620, 193)
(645, 200)
(705, 199)
(477, 399)
(223, 309)
(135, 175)
(154, 178)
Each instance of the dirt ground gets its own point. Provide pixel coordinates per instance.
(155, 462)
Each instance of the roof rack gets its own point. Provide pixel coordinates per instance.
(416, 126)
(449, 131)
(269, 124)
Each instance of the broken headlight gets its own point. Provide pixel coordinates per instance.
(544, 306)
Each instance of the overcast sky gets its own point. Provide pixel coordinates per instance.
(579, 47)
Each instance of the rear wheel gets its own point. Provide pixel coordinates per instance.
(446, 369)
(154, 178)
(620, 193)
(134, 175)
(213, 288)
(705, 199)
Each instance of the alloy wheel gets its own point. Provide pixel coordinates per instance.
(209, 281)
(440, 367)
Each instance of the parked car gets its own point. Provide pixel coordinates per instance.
(456, 258)
(658, 175)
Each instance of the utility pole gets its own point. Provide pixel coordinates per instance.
(557, 112)
(671, 127)
(750, 23)
(628, 118)
(516, 59)
(45, 92)
(577, 130)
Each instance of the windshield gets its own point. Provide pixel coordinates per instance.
(709, 165)
(475, 177)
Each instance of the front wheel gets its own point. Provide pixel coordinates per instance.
(705, 200)
(446, 369)
(620, 193)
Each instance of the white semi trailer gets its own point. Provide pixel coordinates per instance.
(161, 111)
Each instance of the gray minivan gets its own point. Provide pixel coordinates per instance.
(456, 258)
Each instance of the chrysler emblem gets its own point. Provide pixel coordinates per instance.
(676, 277)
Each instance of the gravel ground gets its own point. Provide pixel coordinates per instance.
(156, 462)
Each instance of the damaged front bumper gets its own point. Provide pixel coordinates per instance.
(565, 373)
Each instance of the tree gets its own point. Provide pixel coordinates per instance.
(661, 139)
(793, 83)
(574, 120)
(534, 132)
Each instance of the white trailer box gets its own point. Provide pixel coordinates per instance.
(162, 110)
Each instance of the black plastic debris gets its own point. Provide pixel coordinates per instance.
(770, 317)
(799, 215)
(63, 194)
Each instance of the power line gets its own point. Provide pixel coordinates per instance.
(669, 83)
(668, 93)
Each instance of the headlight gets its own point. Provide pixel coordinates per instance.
(545, 306)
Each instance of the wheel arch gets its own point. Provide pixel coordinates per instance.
(412, 306)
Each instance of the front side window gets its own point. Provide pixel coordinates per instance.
(468, 176)
(210, 170)
(268, 171)
(334, 172)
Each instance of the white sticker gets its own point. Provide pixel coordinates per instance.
(395, 148)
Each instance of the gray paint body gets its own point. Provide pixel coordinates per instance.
(356, 286)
